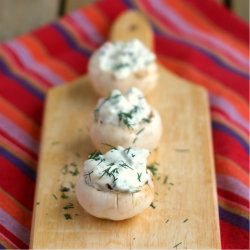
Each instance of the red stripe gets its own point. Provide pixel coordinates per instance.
(233, 197)
(17, 63)
(21, 98)
(58, 47)
(227, 146)
(223, 18)
(112, 9)
(233, 237)
(11, 139)
(193, 57)
(15, 183)
(13, 238)
(168, 25)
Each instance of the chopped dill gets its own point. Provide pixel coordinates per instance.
(54, 196)
(139, 176)
(64, 196)
(146, 120)
(135, 140)
(165, 180)
(167, 221)
(152, 205)
(152, 168)
(185, 220)
(67, 216)
(112, 147)
(140, 131)
(177, 245)
(64, 169)
(69, 206)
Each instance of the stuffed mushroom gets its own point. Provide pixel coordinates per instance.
(126, 120)
(121, 65)
(116, 185)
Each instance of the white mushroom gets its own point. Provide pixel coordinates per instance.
(125, 120)
(122, 65)
(116, 185)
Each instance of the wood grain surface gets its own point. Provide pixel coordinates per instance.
(185, 213)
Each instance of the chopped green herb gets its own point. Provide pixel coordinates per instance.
(95, 155)
(165, 180)
(72, 185)
(127, 149)
(152, 168)
(54, 196)
(64, 169)
(112, 147)
(64, 196)
(182, 150)
(172, 184)
(69, 206)
(38, 203)
(111, 164)
(185, 220)
(124, 117)
(133, 155)
(55, 142)
(67, 216)
(64, 189)
(152, 205)
(75, 172)
(134, 140)
(177, 245)
(158, 178)
(146, 120)
(139, 177)
(140, 131)
(167, 221)
(73, 164)
(125, 165)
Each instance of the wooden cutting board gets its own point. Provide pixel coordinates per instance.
(186, 210)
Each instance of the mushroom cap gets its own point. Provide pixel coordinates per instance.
(104, 81)
(113, 205)
(122, 136)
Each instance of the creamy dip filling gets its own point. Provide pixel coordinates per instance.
(120, 170)
(124, 58)
(126, 110)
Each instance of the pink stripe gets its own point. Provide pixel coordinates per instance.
(85, 25)
(219, 102)
(231, 184)
(183, 26)
(19, 150)
(28, 61)
(8, 240)
(14, 227)
(18, 134)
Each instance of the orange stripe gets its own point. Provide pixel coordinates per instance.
(13, 208)
(19, 153)
(225, 166)
(198, 21)
(6, 243)
(97, 18)
(189, 72)
(165, 30)
(40, 55)
(19, 119)
(233, 208)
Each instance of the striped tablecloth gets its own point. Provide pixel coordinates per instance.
(196, 39)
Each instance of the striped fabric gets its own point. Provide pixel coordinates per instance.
(196, 39)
